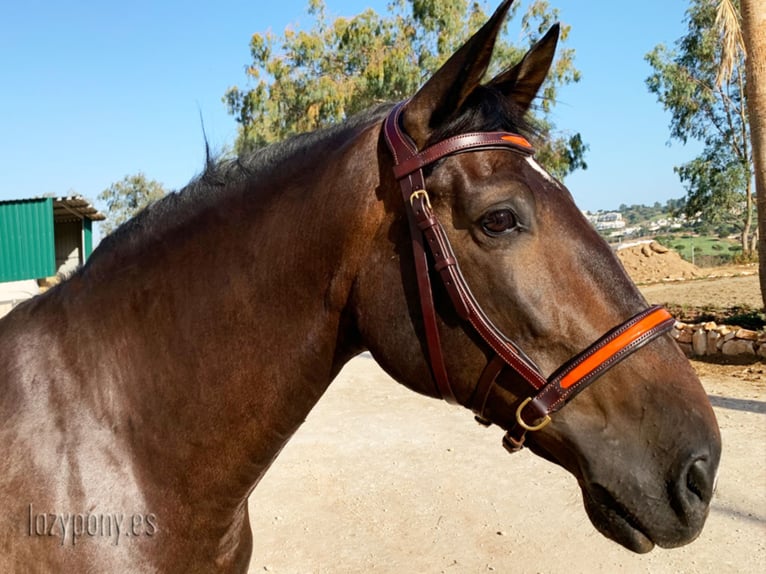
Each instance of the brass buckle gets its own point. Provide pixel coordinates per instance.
(420, 193)
(524, 425)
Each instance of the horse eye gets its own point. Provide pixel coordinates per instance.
(498, 222)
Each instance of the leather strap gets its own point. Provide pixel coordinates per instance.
(458, 144)
(403, 148)
(465, 304)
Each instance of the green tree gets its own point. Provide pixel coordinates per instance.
(304, 80)
(709, 107)
(127, 197)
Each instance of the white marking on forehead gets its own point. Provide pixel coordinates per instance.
(542, 171)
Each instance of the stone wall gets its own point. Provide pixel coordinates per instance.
(712, 340)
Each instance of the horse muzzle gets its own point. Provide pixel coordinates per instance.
(668, 513)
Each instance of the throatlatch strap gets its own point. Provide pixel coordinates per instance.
(403, 148)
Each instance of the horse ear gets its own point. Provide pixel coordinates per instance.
(522, 82)
(448, 88)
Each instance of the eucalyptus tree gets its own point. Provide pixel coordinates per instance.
(125, 198)
(302, 80)
(710, 107)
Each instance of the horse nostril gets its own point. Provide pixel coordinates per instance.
(698, 480)
(695, 487)
(692, 489)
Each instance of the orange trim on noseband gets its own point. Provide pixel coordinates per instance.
(623, 340)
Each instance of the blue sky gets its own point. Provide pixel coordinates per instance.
(93, 91)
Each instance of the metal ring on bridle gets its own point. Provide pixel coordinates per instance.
(523, 424)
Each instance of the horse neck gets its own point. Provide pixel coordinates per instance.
(213, 345)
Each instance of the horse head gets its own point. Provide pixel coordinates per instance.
(504, 241)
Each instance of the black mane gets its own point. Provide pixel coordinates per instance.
(262, 161)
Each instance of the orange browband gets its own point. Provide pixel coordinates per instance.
(518, 140)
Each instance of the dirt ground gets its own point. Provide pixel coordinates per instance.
(382, 480)
(716, 292)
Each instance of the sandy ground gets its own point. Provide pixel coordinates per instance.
(716, 292)
(380, 479)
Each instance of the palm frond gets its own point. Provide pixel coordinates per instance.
(727, 20)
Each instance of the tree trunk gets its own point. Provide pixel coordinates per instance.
(754, 34)
(747, 235)
(754, 245)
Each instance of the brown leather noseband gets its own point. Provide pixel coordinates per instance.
(550, 394)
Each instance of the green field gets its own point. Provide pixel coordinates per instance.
(705, 251)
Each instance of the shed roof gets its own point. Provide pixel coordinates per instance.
(70, 208)
(75, 207)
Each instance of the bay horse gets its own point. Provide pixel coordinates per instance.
(144, 397)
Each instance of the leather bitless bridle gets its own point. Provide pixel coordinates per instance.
(548, 395)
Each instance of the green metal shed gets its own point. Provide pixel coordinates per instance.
(43, 236)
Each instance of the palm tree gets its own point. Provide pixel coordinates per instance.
(754, 35)
(749, 38)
